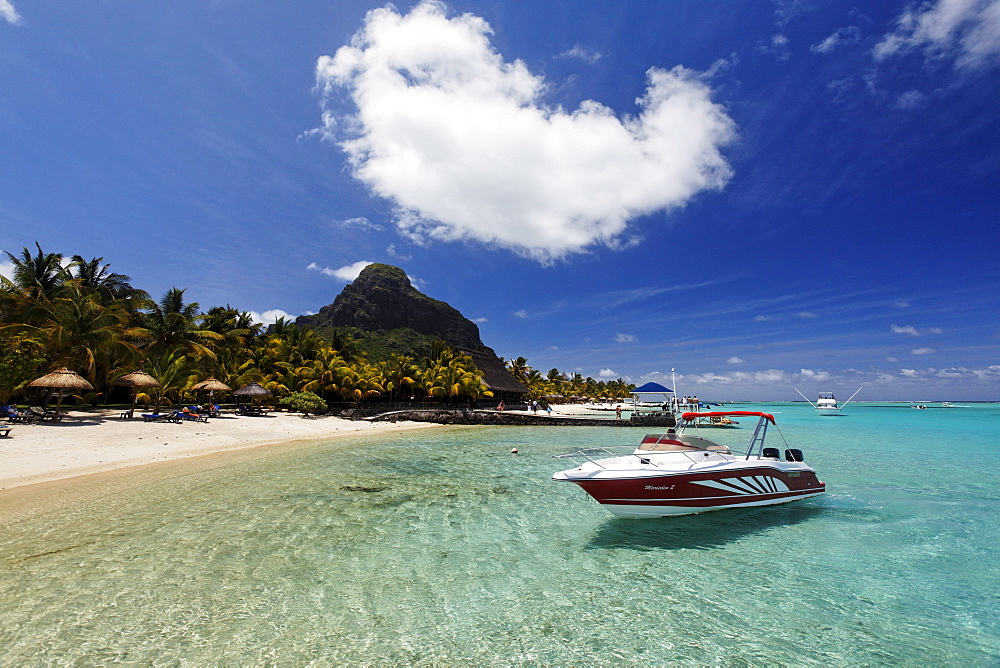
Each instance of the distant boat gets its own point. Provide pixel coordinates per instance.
(827, 404)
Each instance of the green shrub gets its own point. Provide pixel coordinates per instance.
(307, 402)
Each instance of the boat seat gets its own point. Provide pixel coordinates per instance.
(770, 453)
(793, 455)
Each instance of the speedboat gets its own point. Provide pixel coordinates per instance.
(827, 404)
(678, 473)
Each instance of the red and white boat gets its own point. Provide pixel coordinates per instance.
(679, 473)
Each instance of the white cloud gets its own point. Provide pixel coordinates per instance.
(892, 359)
(819, 376)
(521, 314)
(466, 147)
(913, 331)
(843, 36)
(6, 268)
(807, 314)
(8, 13)
(362, 223)
(909, 373)
(391, 251)
(346, 273)
(586, 55)
(764, 318)
(625, 338)
(911, 99)
(901, 303)
(269, 317)
(735, 360)
(923, 351)
(607, 373)
(965, 31)
(908, 329)
(480, 320)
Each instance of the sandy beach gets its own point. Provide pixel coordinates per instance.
(87, 442)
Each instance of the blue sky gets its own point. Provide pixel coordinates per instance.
(762, 196)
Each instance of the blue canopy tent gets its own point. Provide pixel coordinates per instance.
(652, 388)
(642, 394)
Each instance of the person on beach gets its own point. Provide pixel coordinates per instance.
(618, 412)
(500, 405)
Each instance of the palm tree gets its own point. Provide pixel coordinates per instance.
(170, 322)
(39, 277)
(398, 372)
(94, 277)
(519, 369)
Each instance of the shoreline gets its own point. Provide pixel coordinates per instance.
(88, 442)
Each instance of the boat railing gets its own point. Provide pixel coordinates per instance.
(592, 455)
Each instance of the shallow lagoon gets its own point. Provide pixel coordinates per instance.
(441, 546)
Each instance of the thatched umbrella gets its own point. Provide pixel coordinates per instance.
(62, 379)
(252, 390)
(135, 380)
(212, 386)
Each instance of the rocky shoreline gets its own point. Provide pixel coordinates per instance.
(500, 418)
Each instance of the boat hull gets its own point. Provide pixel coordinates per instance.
(690, 493)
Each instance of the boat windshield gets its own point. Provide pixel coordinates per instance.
(674, 442)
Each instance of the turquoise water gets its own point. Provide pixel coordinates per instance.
(440, 546)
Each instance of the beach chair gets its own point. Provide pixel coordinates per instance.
(5, 430)
(13, 415)
(170, 416)
(43, 415)
(191, 415)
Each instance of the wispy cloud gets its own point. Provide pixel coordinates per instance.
(346, 273)
(967, 32)
(521, 314)
(621, 337)
(807, 314)
(908, 329)
(581, 53)
(923, 351)
(362, 223)
(735, 360)
(841, 37)
(480, 320)
(913, 331)
(433, 98)
(391, 251)
(8, 13)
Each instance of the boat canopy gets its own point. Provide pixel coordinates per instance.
(651, 388)
(694, 416)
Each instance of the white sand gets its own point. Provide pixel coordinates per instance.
(96, 441)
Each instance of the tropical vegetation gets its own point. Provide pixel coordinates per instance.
(75, 312)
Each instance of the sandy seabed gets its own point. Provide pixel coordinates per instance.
(87, 442)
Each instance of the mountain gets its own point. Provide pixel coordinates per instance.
(387, 314)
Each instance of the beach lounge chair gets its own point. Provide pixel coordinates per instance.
(170, 416)
(5, 430)
(43, 415)
(13, 415)
(188, 414)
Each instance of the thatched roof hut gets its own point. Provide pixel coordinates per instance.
(495, 374)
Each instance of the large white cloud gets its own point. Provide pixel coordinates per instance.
(464, 145)
(966, 30)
